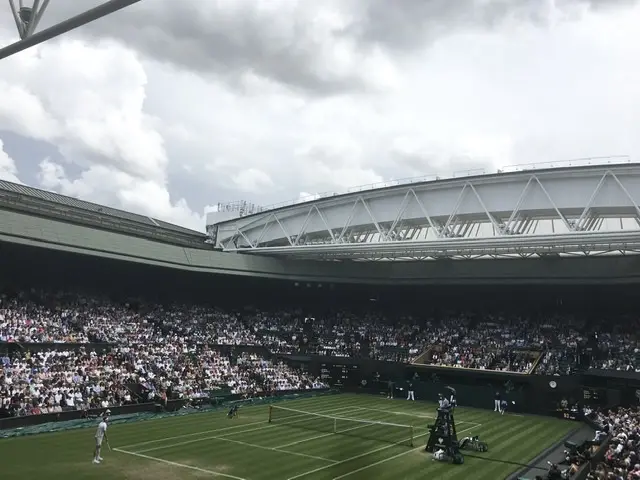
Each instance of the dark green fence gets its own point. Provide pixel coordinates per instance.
(537, 394)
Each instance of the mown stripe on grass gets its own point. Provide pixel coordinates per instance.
(181, 465)
(64, 455)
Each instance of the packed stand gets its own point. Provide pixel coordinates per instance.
(451, 339)
(23, 320)
(339, 333)
(622, 458)
(146, 355)
(155, 349)
(619, 345)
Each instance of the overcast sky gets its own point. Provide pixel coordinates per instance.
(171, 106)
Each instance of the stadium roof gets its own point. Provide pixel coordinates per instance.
(14, 194)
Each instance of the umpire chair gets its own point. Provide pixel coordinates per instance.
(442, 435)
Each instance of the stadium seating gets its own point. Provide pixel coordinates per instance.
(622, 459)
(148, 350)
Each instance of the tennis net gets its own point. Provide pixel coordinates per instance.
(339, 425)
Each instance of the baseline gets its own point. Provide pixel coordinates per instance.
(180, 465)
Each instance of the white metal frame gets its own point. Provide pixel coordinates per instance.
(28, 17)
(36, 11)
(576, 244)
(483, 235)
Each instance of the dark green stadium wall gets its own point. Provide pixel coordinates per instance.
(26, 267)
(532, 394)
(47, 233)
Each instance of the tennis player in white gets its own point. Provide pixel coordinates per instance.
(101, 435)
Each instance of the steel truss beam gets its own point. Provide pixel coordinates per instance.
(535, 215)
(574, 244)
(28, 18)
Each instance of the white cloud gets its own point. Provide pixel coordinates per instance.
(8, 169)
(251, 180)
(107, 185)
(88, 101)
(147, 130)
(306, 196)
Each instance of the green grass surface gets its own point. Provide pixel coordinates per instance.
(208, 445)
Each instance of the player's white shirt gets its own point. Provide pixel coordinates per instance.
(102, 429)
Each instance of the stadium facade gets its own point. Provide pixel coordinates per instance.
(558, 226)
(554, 212)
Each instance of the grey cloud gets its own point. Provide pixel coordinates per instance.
(204, 37)
(412, 23)
(425, 164)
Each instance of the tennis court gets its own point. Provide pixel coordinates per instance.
(325, 437)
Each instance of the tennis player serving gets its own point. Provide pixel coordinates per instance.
(101, 435)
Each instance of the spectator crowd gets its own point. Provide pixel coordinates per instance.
(122, 354)
(158, 351)
(622, 458)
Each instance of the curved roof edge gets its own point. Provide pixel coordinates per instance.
(422, 181)
(41, 233)
(13, 193)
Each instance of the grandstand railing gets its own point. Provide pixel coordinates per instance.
(153, 407)
(13, 347)
(596, 458)
(425, 356)
(523, 167)
(536, 363)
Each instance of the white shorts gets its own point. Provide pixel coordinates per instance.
(98, 441)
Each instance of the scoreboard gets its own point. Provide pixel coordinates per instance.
(587, 396)
(593, 396)
(339, 374)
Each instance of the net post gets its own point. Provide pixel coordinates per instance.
(335, 425)
(411, 436)
(270, 412)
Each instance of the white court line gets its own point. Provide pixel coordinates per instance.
(399, 413)
(323, 436)
(416, 415)
(371, 422)
(354, 458)
(370, 452)
(222, 437)
(239, 442)
(393, 457)
(181, 465)
(186, 435)
(149, 442)
(273, 449)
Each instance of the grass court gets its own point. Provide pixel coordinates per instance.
(209, 445)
